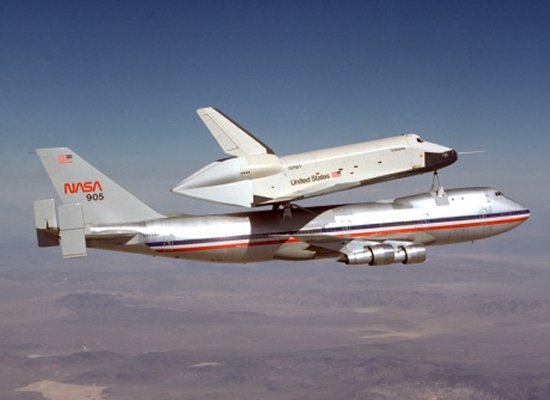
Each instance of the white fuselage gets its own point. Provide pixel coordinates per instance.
(268, 179)
(422, 220)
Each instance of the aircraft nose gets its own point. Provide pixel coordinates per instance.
(440, 160)
(517, 208)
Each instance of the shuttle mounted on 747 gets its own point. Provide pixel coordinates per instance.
(254, 176)
(95, 212)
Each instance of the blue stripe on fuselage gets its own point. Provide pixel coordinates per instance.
(338, 229)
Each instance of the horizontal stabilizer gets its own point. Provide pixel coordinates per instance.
(233, 139)
(71, 230)
(45, 217)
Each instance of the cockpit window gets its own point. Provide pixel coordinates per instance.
(419, 139)
(498, 193)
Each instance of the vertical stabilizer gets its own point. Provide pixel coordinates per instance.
(102, 200)
(232, 138)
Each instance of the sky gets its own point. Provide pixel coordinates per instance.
(119, 83)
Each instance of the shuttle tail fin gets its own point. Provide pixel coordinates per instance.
(101, 199)
(233, 139)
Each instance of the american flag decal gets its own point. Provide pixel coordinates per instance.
(64, 158)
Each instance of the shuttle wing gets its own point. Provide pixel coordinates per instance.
(232, 138)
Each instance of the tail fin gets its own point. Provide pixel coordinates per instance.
(233, 139)
(102, 200)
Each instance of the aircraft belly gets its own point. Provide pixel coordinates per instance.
(136, 249)
(239, 253)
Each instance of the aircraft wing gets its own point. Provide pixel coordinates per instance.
(232, 138)
(369, 251)
(336, 244)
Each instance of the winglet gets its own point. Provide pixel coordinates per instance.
(233, 139)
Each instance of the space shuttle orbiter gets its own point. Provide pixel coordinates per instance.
(254, 176)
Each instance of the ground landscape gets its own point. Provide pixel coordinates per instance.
(465, 325)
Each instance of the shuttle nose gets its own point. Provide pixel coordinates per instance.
(435, 161)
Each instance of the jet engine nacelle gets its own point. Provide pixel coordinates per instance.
(385, 254)
(411, 254)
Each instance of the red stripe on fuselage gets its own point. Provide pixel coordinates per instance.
(438, 227)
(291, 239)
